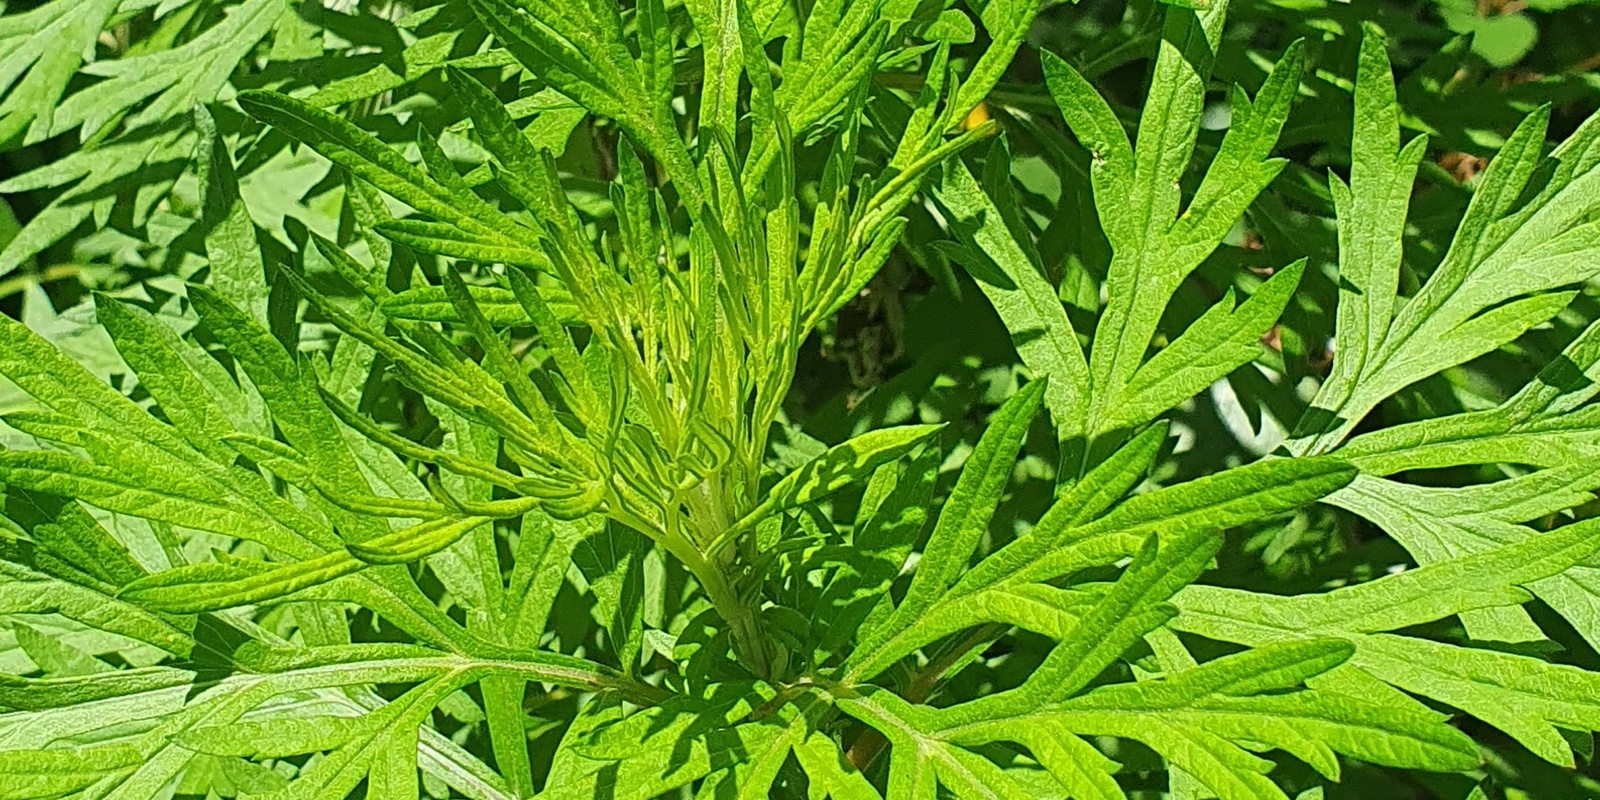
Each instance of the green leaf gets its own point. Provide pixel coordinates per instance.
(371, 160)
(962, 522)
(423, 58)
(383, 750)
(1220, 341)
(857, 598)
(38, 694)
(1501, 39)
(972, 503)
(1135, 605)
(920, 759)
(53, 657)
(583, 55)
(425, 467)
(611, 560)
(1058, 546)
(753, 774)
(43, 49)
(1206, 719)
(25, 592)
(91, 173)
(291, 395)
(499, 306)
(508, 729)
(470, 568)
(1098, 635)
(1436, 524)
(156, 353)
(147, 471)
(1516, 693)
(277, 738)
(1111, 480)
(72, 544)
(1026, 302)
(210, 586)
(841, 43)
(829, 772)
(655, 750)
(61, 385)
(415, 542)
(177, 79)
(1480, 580)
(1007, 22)
(952, 26)
(1516, 244)
(231, 245)
(158, 491)
(1138, 199)
(842, 465)
(492, 121)
(584, 398)
(1154, 248)
(544, 548)
(1525, 697)
(1546, 424)
(28, 774)
(1199, 718)
(449, 240)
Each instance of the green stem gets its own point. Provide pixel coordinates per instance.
(55, 273)
(743, 625)
(709, 511)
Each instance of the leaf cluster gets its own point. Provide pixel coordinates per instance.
(506, 482)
